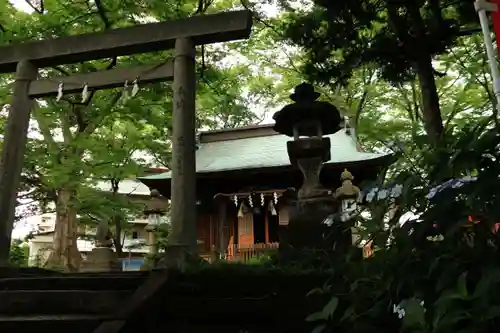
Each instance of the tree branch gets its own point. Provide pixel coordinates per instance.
(102, 14)
(91, 128)
(92, 93)
(44, 128)
(38, 10)
(60, 70)
(66, 127)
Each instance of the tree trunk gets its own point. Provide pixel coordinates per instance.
(65, 250)
(116, 220)
(117, 236)
(431, 110)
(411, 32)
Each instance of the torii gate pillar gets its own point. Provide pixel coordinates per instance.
(183, 201)
(14, 146)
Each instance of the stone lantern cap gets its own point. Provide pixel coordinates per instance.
(306, 110)
(155, 205)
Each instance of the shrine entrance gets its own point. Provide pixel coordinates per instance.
(182, 35)
(245, 229)
(252, 228)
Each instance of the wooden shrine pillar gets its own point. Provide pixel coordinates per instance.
(222, 225)
(266, 225)
(183, 201)
(14, 145)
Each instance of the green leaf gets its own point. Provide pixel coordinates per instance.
(492, 313)
(349, 312)
(316, 291)
(489, 278)
(447, 296)
(319, 328)
(462, 284)
(330, 307)
(450, 319)
(414, 313)
(316, 316)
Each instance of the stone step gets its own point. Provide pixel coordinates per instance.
(73, 282)
(47, 302)
(50, 323)
(6, 272)
(108, 274)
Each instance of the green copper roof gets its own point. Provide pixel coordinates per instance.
(263, 152)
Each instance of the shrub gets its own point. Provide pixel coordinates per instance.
(438, 271)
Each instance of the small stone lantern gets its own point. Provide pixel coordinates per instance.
(307, 120)
(155, 210)
(347, 194)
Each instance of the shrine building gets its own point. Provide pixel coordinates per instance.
(243, 176)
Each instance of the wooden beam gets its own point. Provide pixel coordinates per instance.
(144, 38)
(107, 79)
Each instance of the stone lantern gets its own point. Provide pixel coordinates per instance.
(307, 120)
(154, 211)
(347, 194)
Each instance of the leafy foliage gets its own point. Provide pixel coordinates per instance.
(108, 136)
(161, 237)
(19, 254)
(339, 36)
(399, 38)
(437, 271)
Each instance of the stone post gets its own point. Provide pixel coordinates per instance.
(14, 146)
(152, 243)
(182, 240)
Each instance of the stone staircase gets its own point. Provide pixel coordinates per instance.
(76, 303)
(207, 301)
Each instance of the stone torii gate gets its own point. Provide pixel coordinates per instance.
(25, 59)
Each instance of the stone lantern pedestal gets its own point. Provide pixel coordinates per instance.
(309, 154)
(313, 203)
(102, 258)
